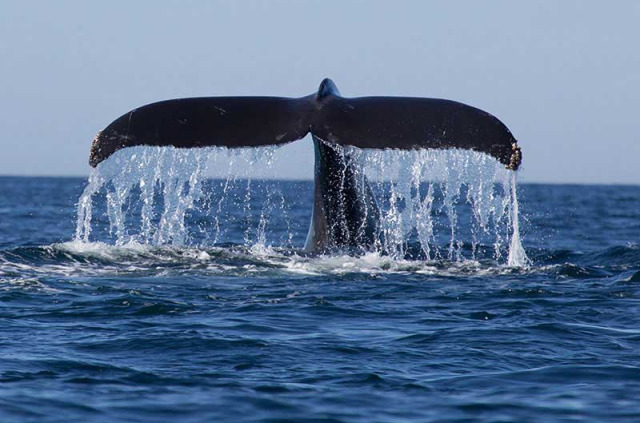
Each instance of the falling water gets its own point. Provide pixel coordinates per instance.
(451, 203)
(435, 205)
(148, 194)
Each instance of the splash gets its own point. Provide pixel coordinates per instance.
(517, 255)
(448, 205)
(166, 183)
(451, 203)
(162, 196)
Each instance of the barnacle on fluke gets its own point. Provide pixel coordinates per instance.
(516, 157)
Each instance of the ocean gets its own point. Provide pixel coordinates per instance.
(119, 314)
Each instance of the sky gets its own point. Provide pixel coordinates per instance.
(564, 76)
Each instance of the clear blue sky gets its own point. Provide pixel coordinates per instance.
(563, 75)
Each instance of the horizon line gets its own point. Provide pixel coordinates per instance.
(520, 182)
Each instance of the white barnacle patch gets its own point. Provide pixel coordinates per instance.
(516, 157)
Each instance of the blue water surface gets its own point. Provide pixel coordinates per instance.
(99, 333)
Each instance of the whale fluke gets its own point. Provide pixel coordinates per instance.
(345, 212)
(205, 122)
(365, 122)
(414, 123)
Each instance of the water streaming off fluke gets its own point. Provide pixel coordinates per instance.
(435, 205)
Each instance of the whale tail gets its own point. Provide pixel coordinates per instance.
(345, 212)
(365, 122)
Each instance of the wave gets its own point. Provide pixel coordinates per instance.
(82, 259)
(27, 265)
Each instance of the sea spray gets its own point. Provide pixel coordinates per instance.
(148, 195)
(517, 255)
(165, 184)
(450, 205)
